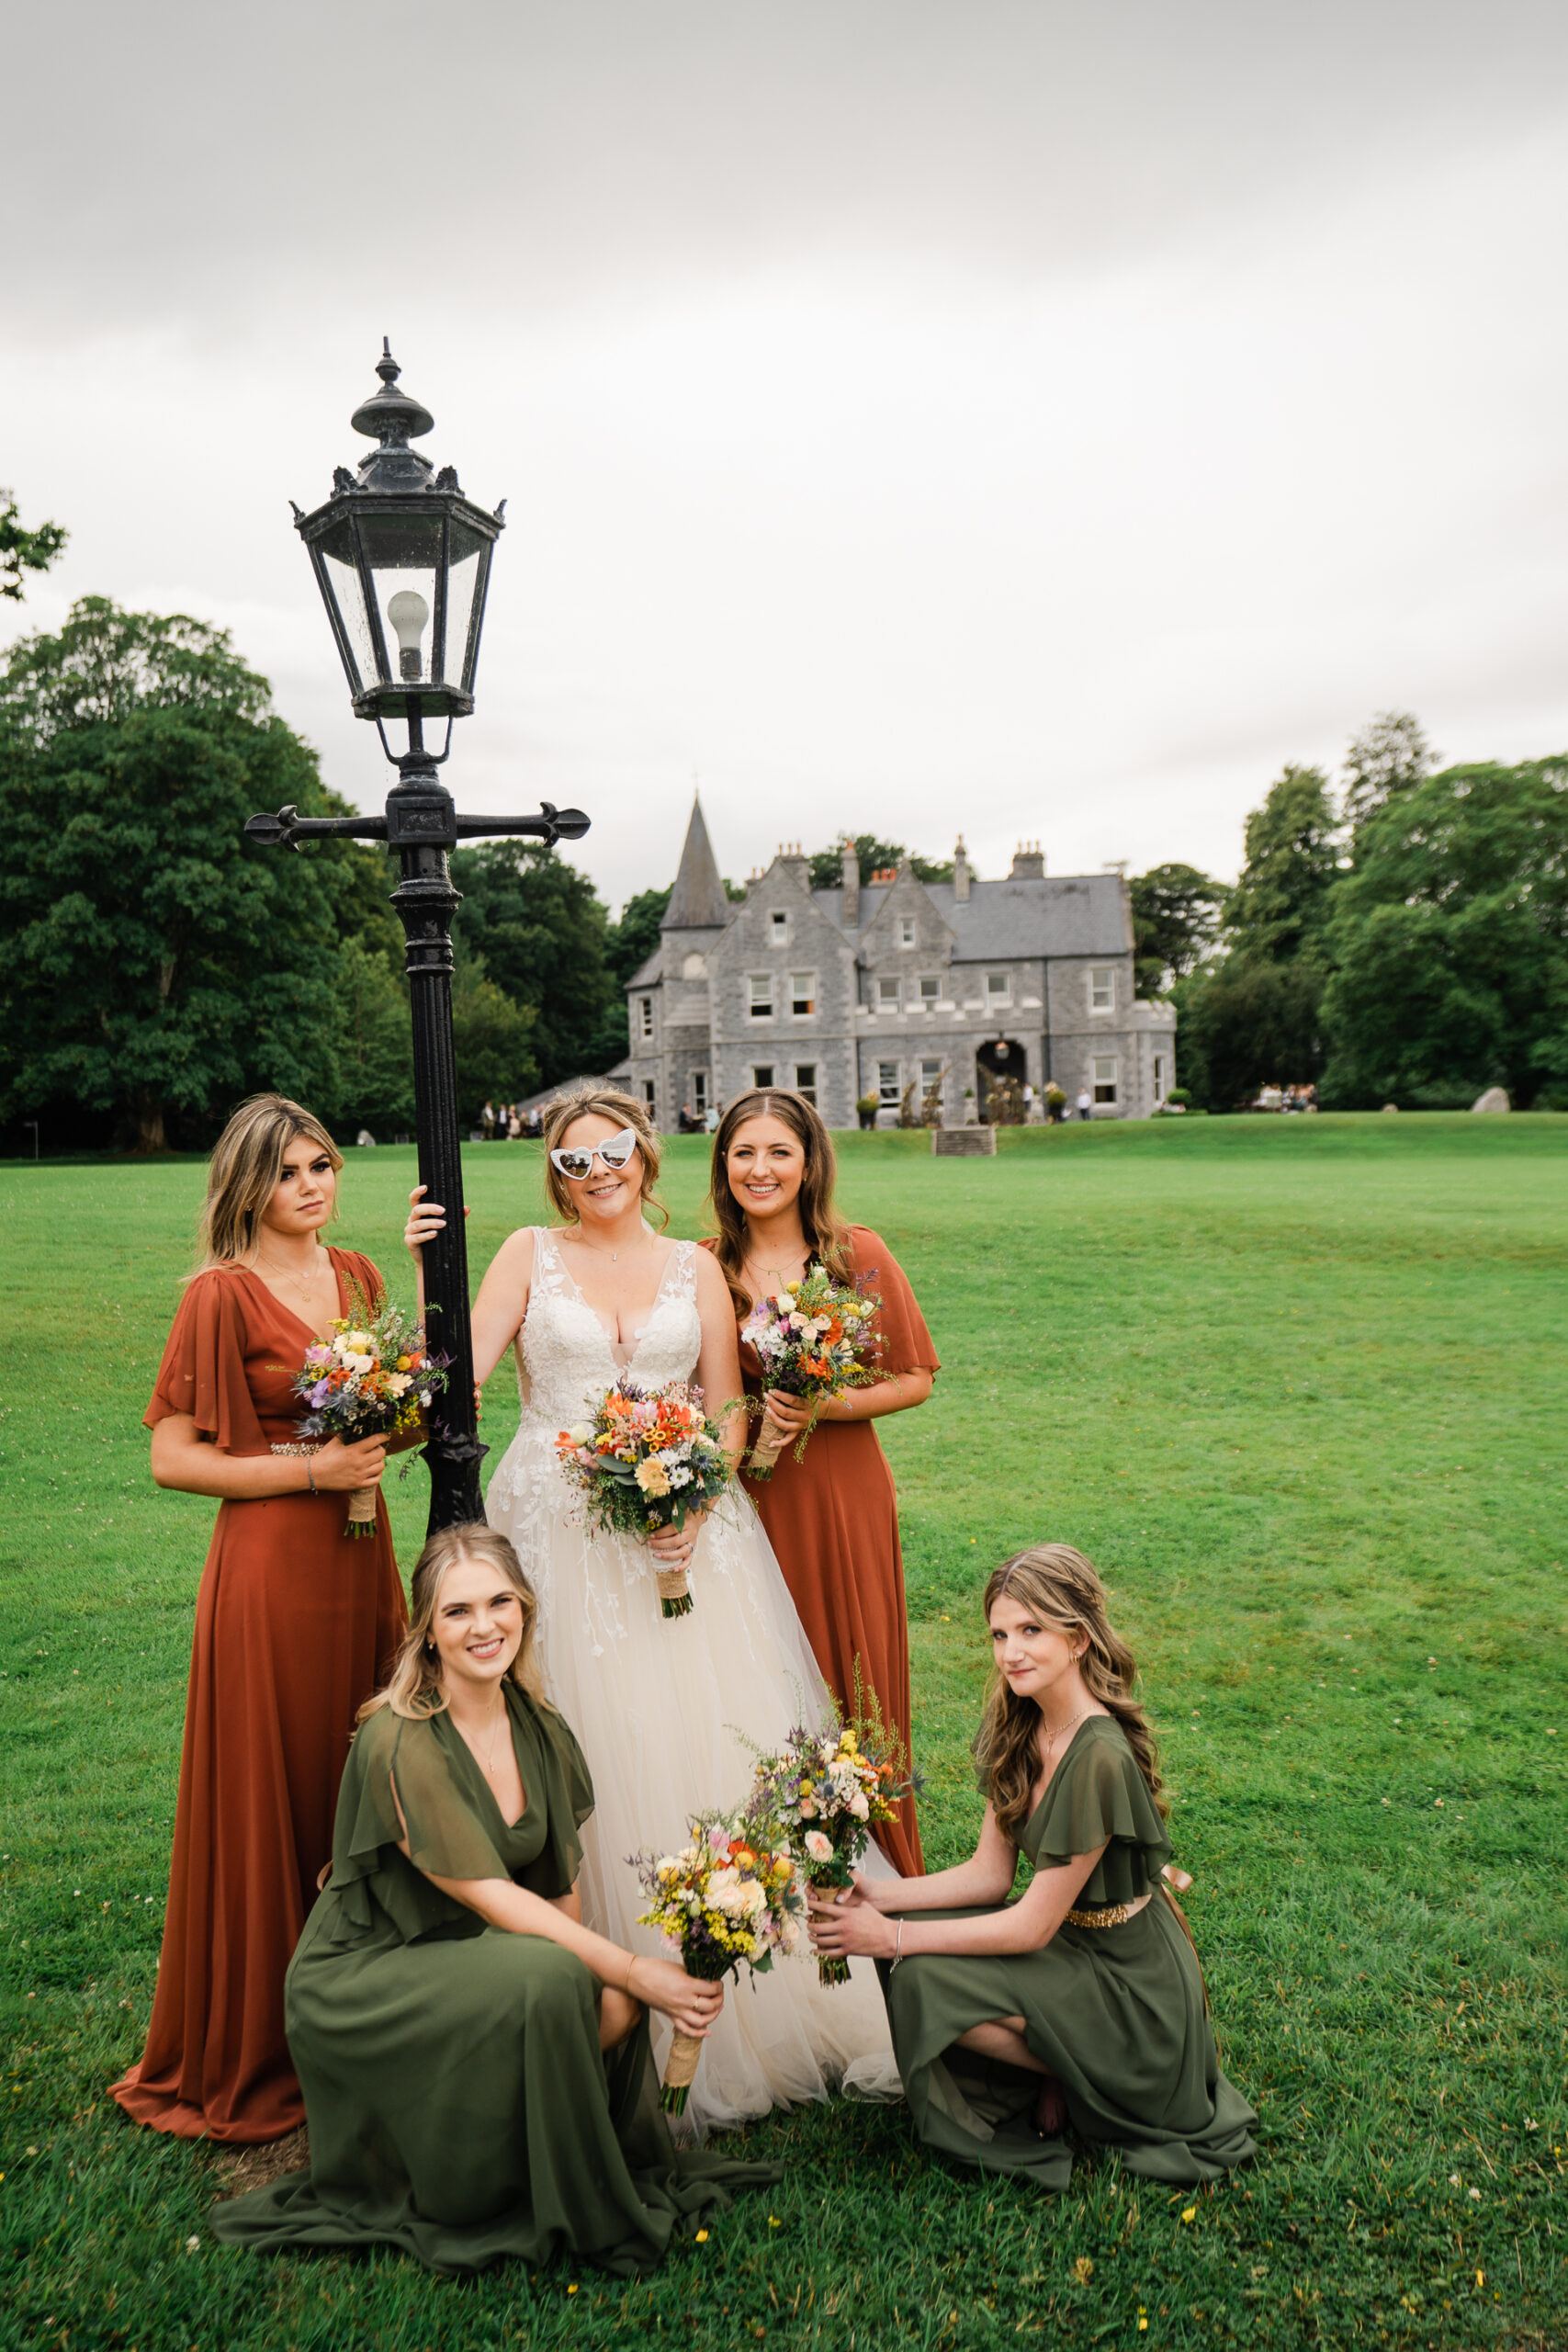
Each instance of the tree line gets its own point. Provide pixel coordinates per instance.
(1407, 939)
(1403, 940)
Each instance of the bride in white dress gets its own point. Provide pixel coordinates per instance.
(660, 1704)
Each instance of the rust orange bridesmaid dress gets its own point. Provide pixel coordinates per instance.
(296, 1623)
(832, 1517)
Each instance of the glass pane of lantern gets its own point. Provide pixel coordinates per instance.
(404, 551)
(336, 551)
(462, 589)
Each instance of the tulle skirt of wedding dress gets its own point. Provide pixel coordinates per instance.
(664, 1708)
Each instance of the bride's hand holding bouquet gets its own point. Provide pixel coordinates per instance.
(649, 1464)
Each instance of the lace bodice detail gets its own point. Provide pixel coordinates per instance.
(564, 1352)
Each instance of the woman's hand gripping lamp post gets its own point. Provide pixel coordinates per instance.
(402, 560)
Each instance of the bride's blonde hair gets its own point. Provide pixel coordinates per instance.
(415, 1687)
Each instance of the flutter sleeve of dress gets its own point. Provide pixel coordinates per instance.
(1099, 1797)
(559, 1784)
(445, 1836)
(904, 1344)
(203, 1371)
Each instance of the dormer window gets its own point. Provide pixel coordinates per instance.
(779, 926)
(906, 931)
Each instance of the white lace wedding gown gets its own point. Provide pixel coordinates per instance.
(659, 1703)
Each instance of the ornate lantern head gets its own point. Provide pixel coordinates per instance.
(402, 560)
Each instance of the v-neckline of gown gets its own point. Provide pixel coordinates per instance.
(283, 1307)
(1057, 1768)
(511, 1827)
(589, 1308)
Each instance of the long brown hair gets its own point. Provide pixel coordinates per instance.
(243, 1172)
(622, 1111)
(1060, 1587)
(415, 1687)
(826, 1235)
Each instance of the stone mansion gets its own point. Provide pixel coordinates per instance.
(872, 990)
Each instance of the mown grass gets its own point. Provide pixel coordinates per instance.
(1298, 1387)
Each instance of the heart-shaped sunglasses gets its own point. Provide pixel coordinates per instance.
(575, 1162)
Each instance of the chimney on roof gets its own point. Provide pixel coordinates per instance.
(960, 871)
(796, 863)
(850, 869)
(1028, 863)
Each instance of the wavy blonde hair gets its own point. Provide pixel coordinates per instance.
(416, 1688)
(1060, 1587)
(622, 1111)
(242, 1174)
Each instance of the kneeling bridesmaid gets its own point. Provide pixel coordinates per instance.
(1083, 2001)
(476, 2063)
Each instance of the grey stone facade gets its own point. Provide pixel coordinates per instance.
(870, 991)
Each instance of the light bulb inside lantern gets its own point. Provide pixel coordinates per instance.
(407, 612)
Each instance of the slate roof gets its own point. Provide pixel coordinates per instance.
(1063, 915)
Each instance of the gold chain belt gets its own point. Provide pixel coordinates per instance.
(1113, 1916)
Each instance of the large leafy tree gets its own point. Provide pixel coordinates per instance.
(1176, 917)
(1449, 939)
(1254, 1016)
(1389, 756)
(24, 549)
(1280, 904)
(542, 933)
(160, 966)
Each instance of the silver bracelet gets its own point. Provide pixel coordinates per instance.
(897, 1949)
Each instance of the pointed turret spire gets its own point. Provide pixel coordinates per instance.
(697, 903)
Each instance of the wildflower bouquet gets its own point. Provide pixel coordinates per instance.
(647, 1458)
(814, 1339)
(374, 1378)
(825, 1790)
(733, 1895)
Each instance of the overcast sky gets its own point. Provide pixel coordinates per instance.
(916, 415)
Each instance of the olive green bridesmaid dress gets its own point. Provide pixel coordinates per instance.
(1116, 2013)
(459, 2106)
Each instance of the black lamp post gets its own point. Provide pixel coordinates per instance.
(401, 556)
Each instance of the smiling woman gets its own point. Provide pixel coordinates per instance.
(294, 1626)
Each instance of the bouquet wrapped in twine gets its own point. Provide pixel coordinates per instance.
(825, 1790)
(731, 1897)
(647, 1458)
(814, 1339)
(374, 1378)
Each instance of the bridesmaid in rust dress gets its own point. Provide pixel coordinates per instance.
(296, 1625)
(832, 1517)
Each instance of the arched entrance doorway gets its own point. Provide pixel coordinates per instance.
(1002, 1067)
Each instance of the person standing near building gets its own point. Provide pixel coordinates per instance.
(832, 1516)
(1085, 1102)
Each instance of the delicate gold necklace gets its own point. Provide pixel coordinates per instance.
(494, 1735)
(1052, 1737)
(306, 1281)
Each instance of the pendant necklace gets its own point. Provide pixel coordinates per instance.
(305, 1282)
(1052, 1737)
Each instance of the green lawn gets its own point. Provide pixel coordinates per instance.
(1297, 1387)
